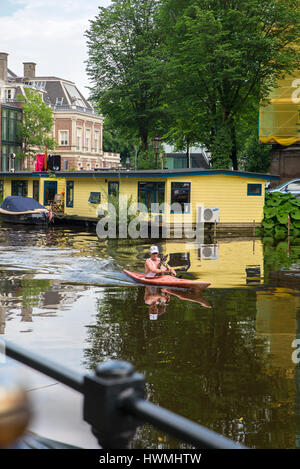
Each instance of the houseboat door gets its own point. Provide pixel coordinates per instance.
(50, 190)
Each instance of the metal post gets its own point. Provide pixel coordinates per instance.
(102, 410)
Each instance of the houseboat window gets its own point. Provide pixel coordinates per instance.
(151, 193)
(181, 195)
(36, 190)
(50, 191)
(70, 194)
(254, 189)
(95, 198)
(19, 188)
(113, 188)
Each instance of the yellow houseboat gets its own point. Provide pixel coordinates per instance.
(230, 198)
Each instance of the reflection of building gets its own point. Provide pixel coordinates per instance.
(26, 313)
(276, 321)
(2, 320)
(225, 267)
(77, 127)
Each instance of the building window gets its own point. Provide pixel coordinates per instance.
(95, 198)
(4, 130)
(59, 101)
(96, 141)
(150, 193)
(8, 94)
(19, 188)
(254, 189)
(180, 195)
(39, 85)
(78, 139)
(70, 194)
(50, 191)
(63, 137)
(36, 190)
(88, 140)
(113, 188)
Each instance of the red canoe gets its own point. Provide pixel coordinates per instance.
(167, 281)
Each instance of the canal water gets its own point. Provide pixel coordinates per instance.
(223, 358)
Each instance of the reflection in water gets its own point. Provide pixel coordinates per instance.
(222, 358)
(157, 299)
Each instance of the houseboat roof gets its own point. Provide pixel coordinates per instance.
(152, 173)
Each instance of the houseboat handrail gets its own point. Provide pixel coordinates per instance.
(114, 403)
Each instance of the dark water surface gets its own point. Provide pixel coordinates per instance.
(223, 359)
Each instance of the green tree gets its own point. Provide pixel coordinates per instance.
(224, 56)
(37, 124)
(115, 142)
(125, 67)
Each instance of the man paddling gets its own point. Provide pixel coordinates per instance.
(152, 265)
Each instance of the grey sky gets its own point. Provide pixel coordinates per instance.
(49, 33)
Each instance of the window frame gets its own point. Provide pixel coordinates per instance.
(69, 190)
(187, 204)
(252, 185)
(24, 185)
(63, 143)
(156, 193)
(109, 190)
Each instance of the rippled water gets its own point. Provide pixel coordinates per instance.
(222, 358)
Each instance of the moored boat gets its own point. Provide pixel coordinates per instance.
(24, 210)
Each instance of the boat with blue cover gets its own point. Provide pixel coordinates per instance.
(24, 210)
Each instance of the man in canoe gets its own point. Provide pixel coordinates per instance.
(153, 267)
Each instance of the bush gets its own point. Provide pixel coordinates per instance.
(280, 210)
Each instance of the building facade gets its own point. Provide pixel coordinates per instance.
(78, 129)
(11, 141)
(235, 197)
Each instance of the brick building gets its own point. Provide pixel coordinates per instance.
(78, 129)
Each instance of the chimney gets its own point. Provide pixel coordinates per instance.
(3, 66)
(29, 69)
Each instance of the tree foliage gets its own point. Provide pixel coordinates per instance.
(223, 54)
(193, 70)
(37, 124)
(125, 67)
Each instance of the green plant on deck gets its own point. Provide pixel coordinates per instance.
(281, 217)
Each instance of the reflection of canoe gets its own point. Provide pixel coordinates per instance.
(190, 295)
(168, 281)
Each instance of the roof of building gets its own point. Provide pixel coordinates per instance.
(58, 92)
(154, 173)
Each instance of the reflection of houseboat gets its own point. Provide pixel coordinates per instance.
(24, 210)
(226, 264)
(231, 198)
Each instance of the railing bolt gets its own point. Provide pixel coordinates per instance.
(115, 369)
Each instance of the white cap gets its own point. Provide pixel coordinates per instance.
(154, 249)
(153, 317)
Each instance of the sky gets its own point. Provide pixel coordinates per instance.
(49, 33)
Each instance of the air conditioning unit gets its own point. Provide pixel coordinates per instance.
(207, 214)
(208, 252)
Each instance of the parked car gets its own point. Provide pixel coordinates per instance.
(289, 187)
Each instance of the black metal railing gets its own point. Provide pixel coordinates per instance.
(114, 403)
